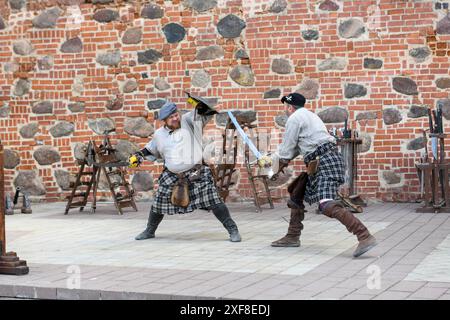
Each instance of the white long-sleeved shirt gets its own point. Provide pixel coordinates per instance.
(305, 131)
(180, 149)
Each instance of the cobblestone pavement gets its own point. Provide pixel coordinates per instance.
(95, 256)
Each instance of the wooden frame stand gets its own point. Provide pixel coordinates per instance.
(9, 262)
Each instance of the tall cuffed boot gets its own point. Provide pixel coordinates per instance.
(154, 220)
(222, 213)
(334, 209)
(297, 189)
(292, 237)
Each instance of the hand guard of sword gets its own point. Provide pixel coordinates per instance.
(135, 160)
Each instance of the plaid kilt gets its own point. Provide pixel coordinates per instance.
(202, 193)
(325, 183)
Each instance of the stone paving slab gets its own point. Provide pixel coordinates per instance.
(95, 256)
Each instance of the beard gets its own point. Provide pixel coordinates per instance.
(174, 126)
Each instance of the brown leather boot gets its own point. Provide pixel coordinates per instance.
(292, 237)
(297, 189)
(336, 210)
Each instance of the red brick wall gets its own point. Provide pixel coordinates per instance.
(392, 29)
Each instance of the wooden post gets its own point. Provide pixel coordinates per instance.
(9, 262)
(2, 206)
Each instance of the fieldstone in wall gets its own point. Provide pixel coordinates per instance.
(78, 86)
(11, 159)
(420, 54)
(47, 19)
(132, 36)
(76, 106)
(115, 104)
(242, 75)
(272, 94)
(353, 90)
(130, 86)
(366, 116)
(22, 87)
(45, 63)
(443, 83)
(351, 28)
(416, 144)
(64, 178)
(333, 115)
(43, 107)
(102, 1)
(278, 6)
(281, 120)
(443, 26)
(102, 125)
(103, 183)
(106, 15)
(30, 183)
(17, 4)
(281, 66)
(138, 127)
(109, 58)
(404, 85)
(29, 130)
(247, 116)
(11, 67)
(152, 11)
(2, 24)
(444, 104)
(46, 155)
(371, 63)
(161, 84)
(155, 104)
(366, 142)
(149, 56)
(390, 177)
(329, 5)
(79, 151)
(230, 26)
(124, 148)
(71, 2)
(201, 5)
(174, 32)
(74, 45)
(241, 54)
(201, 79)
(391, 116)
(142, 181)
(310, 34)
(4, 111)
(309, 88)
(210, 53)
(62, 128)
(418, 111)
(22, 47)
(334, 63)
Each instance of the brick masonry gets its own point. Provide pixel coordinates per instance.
(105, 56)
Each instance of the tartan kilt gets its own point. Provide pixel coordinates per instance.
(202, 193)
(325, 183)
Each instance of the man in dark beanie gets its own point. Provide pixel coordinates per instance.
(186, 183)
(306, 135)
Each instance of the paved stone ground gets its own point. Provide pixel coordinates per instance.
(95, 256)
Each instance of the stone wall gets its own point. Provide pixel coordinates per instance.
(72, 68)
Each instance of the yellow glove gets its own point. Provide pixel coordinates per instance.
(265, 162)
(134, 161)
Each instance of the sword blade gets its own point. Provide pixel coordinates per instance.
(244, 136)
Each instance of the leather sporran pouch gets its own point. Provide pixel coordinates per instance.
(180, 192)
(312, 167)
